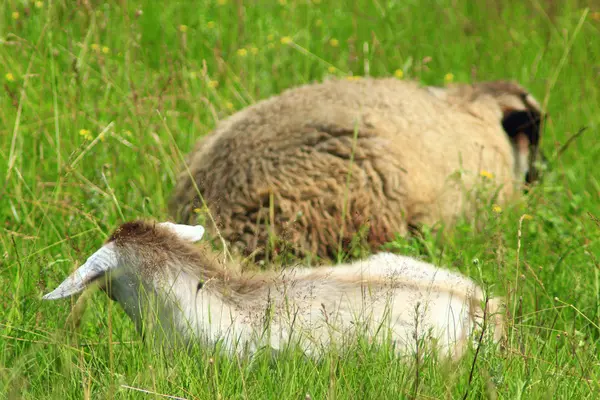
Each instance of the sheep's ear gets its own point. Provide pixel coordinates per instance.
(95, 267)
(192, 233)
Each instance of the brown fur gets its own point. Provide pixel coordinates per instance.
(154, 250)
(161, 248)
(290, 163)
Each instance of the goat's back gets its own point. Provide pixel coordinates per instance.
(385, 294)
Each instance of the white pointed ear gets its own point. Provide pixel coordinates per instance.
(96, 266)
(192, 233)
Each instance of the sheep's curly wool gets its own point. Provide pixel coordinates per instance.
(320, 163)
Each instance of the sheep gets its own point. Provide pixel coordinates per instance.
(322, 164)
(162, 280)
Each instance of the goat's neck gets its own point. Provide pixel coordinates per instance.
(174, 304)
(199, 309)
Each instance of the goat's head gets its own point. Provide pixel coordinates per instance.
(115, 256)
(138, 261)
(520, 114)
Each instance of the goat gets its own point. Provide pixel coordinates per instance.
(321, 163)
(162, 280)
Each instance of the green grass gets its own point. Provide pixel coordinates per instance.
(70, 72)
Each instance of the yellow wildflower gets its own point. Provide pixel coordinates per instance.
(102, 136)
(127, 133)
(95, 46)
(210, 24)
(86, 134)
(496, 208)
(197, 210)
(333, 42)
(399, 73)
(221, 2)
(331, 69)
(286, 40)
(242, 52)
(105, 50)
(213, 84)
(449, 77)
(527, 217)
(183, 28)
(39, 4)
(9, 77)
(353, 78)
(254, 50)
(229, 105)
(486, 174)
(15, 15)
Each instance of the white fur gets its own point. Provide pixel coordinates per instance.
(325, 309)
(97, 264)
(383, 297)
(192, 233)
(314, 307)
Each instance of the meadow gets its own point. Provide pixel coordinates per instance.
(100, 101)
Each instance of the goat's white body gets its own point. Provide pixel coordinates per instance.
(378, 297)
(158, 278)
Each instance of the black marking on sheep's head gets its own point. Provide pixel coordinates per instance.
(523, 130)
(520, 115)
(525, 122)
(522, 118)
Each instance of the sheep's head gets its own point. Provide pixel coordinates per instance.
(138, 267)
(519, 113)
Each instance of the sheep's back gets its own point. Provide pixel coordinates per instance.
(323, 162)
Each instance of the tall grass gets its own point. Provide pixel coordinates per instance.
(99, 100)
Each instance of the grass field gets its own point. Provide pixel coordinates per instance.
(99, 101)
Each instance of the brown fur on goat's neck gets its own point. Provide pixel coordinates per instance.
(155, 249)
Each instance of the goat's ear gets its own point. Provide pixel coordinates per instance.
(95, 267)
(191, 233)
